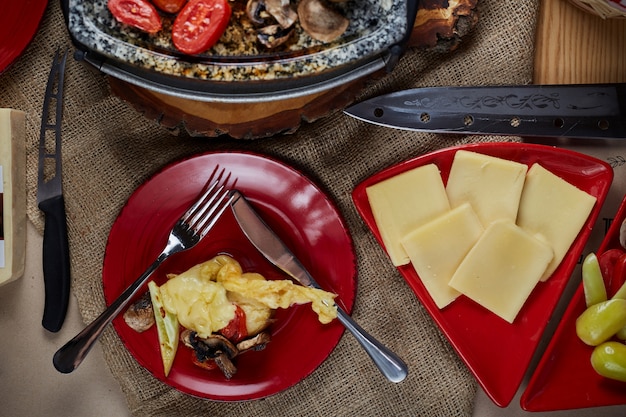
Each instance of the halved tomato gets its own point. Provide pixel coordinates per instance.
(169, 6)
(140, 14)
(236, 329)
(200, 24)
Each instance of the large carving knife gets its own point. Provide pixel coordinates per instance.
(593, 111)
(56, 258)
(275, 251)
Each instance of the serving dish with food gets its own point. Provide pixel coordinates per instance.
(298, 342)
(566, 376)
(259, 49)
(487, 212)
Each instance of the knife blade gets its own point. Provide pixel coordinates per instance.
(592, 111)
(56, 261)
(274, 250)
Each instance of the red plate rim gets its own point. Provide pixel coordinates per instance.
(19, 23)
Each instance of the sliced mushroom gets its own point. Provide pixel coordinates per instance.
(274, 35)
(257, 342)
(255, 9)
(321, 21)
(226, 365)
(140, 316)
(622, 234)
(281, 11)
(212, 346)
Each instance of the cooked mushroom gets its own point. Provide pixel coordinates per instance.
(257, 342)
(215, 347)
(281, 11)
(226, 365)
(140, 316)
(321, 21)
(274, 35)
(255, 9)
(210, 347)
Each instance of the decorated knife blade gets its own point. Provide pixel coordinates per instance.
(56, 260)
(594, 111)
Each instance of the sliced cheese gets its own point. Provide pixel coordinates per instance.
(13, 183)
(553, 209)
(492, 186)
(404, 202)
(502, 269)
(437, 248)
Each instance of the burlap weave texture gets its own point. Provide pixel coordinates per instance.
(109, 149)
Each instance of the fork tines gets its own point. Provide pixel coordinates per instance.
(205, 212)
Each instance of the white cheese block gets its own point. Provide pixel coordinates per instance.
(492, 186)
(502, 269)
(437, 248)
(404, 202)
(13, 183)
(553, 209)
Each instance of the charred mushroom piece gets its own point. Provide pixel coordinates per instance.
(140, 316)
(281, 11)
(226, 365)
(257, 342)
(212, 346)
(274, 35)
(321, 20)
(215, 347)
(255, 9)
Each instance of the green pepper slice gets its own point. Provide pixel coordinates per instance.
(167, 328)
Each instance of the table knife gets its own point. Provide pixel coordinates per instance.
(56, 260)
(592, 111)
(274, 250)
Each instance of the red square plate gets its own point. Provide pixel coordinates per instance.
(496, 352)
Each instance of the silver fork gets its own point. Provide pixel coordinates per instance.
(194, 224)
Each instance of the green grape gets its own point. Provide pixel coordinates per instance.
(593, 283)
(609, 360)
(601, 321)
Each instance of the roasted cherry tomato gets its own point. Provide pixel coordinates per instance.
(140, 14)
(208, 364)
(200, 24)
(236, 329)
(169, 6)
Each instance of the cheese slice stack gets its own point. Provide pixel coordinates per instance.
(554, 210)
(402, 203)
(497, 231)
(502, 269)
(493, 186)
(13, 184)
(437, 248)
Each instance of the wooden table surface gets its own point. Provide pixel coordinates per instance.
(576, 47)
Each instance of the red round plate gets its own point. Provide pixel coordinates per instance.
(564, 378)
(496, 352)
(19, 22)
(299, 212)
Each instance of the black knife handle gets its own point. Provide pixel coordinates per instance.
(56, 263)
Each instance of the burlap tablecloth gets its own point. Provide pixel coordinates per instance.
(109, 149)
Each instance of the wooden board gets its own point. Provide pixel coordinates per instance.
(576, 47)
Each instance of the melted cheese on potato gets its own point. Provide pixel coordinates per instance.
(203, 297)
